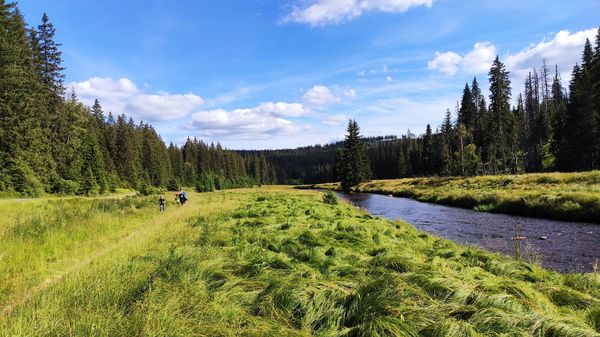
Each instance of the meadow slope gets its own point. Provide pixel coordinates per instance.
(562, 196)
(266, 262)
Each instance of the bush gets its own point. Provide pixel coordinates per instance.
(205, 183)
(330, 198)
(147, 189)
(173, 185)
(64, 186)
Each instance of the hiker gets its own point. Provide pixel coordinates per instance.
(183, 197)
(177, 199)
(162, 202)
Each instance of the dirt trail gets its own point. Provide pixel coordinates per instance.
(141, 231)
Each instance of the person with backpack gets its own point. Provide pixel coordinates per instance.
(183, 197)
(162, 203)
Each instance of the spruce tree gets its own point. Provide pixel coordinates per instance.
(50, 58)
(499, 110)
(428, 151)
(467, 113)
(356, 166)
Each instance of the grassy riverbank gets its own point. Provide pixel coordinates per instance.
(563, 196)
(266, 262)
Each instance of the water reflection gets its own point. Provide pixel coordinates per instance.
(567, 246)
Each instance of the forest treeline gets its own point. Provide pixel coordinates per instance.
(53, 144)
(551, 128)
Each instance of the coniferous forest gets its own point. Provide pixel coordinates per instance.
(550, 128)
(50, 142)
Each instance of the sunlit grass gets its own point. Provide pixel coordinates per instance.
(565, 196)
(281, 262)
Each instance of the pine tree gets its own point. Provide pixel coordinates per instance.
(355, 165)
(559, 141)
(499, 110)
(92, 170)
(50, 58)
(467, 112)
(428, 151)
(447, 133)
(23, 134)
(595, 89)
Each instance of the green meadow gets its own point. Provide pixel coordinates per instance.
(562, 196)
(269, 261)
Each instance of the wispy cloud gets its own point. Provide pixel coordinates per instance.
(324, 12)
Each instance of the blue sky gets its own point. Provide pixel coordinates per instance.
(287, 73)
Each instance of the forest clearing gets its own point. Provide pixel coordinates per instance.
(265, 261)
(195, 168)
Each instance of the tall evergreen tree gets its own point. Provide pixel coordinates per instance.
(499, 111)
(50, 58)
(355, 164)
(467, 112)
(428, 151)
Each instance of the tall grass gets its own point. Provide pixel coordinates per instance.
(563, 196)
(281, 262)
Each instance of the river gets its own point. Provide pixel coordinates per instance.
(567, 247)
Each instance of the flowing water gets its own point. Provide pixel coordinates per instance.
(568, 246)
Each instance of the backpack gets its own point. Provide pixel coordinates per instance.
(184, 196)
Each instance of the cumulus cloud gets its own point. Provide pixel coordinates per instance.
(480, 59)
(320, 95)
(266, 119)
(323, 12)
(123, 96)
(563, 49)
(476, 61)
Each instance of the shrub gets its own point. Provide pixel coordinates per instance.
(147, 189)
(330, 198)
(64, 186)
(205, 183)
(173, 185)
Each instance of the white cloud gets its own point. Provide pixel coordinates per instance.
(268, 119)
(476, 61)
(320, 95)
(389, 78)
(480, 59)
(282, 109)
(123, 96)
(323, 12)
(446, 63)
(335, 120)
(261, 121)
(563, 49)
